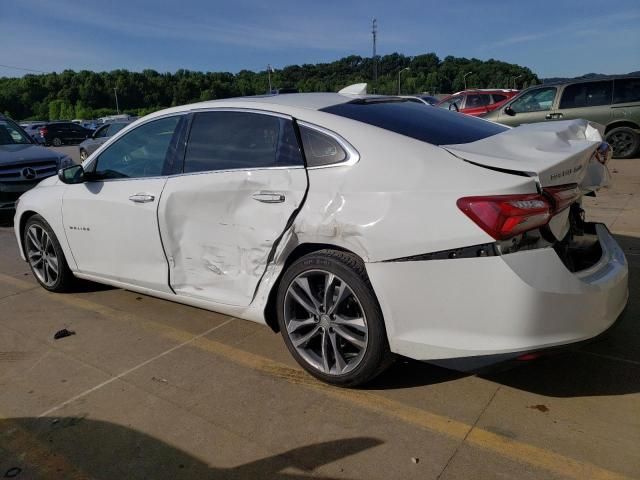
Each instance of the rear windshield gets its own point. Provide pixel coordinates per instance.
(431, 125)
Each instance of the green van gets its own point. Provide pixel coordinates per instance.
(611, 102)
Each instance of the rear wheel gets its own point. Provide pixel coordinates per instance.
(330, 319)
(625, 142)
(45, 256)
(57, 142)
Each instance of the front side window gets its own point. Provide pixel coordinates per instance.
(321, 149)
(143, 152)
(452, 103)
(240, 140)
(587, 94)
(626, 90)
(102, 132)
(11, 134)
(538, 100)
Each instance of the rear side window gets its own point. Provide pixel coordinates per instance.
(498, 98)
(626, 90)
(240, 140)
(321, 149)
(587, 94)
(477, 100)
(432, 125)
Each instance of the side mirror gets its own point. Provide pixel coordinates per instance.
(72, 174)
(510, 111)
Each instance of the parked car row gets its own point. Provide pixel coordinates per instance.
(97, 138)
(611, 102)
(354, 225)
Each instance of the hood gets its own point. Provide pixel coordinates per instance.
(17, 154)
(556, 153)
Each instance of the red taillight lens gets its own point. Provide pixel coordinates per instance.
(503, 216)
(563, 195)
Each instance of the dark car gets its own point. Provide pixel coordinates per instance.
(98, 137)
(59, 133)
(23, 163)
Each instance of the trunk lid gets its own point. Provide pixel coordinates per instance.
(555, 153)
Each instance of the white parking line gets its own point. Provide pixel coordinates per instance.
(132, 369)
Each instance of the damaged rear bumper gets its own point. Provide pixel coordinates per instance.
(499, 305)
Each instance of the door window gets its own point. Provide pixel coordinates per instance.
(538, 100)
(586, 94)
(143, 152)
(240, 140)
(102, 132)
(626, 90)
(498, 98)
(448, 104)
(477, 100)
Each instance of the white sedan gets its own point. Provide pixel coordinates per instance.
(360, 227)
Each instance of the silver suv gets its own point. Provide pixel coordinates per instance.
(612, 102)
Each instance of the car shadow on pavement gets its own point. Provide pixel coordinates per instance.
(77, 447)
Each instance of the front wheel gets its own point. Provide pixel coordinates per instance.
(625, 142)
(45, 256)
(330, 319)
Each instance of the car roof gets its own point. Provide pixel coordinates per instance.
(311, 101)
(589, 79)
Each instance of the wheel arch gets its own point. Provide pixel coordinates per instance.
(270, 314)
(26, 215)
(621, 123)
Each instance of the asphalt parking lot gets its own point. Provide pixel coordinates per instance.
(151, 389)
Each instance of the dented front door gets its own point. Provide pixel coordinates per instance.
(244, 179)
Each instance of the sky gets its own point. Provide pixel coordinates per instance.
(552, 37)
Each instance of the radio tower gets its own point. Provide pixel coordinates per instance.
(374, 32)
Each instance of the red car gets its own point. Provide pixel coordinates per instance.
(476, 102)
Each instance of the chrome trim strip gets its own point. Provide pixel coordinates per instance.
(241, 110)
(352, 154)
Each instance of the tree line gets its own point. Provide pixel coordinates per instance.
(87, 94)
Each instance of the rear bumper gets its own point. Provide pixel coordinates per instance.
(500, 305)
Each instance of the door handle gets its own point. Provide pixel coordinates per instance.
(269, 197)
(142, 198)
(550, 116)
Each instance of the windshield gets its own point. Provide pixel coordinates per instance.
(431, 125)
(11, 134)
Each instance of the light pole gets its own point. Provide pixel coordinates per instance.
(514, 81)
(115, 91)
(269, 70)
(465, 79)
(406, 69)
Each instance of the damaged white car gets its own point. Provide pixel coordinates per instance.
(358, 226)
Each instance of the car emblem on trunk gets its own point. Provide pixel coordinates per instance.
(29, 173)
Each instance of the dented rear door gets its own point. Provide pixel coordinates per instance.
(244, 180)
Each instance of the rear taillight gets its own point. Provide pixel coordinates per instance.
(503, 216)
(43, 132)
(563, 196)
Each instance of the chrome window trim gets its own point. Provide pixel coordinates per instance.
(241, 110)
(352, 154)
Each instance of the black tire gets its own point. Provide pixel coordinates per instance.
(625, 142)
(65, 280)
(56, 142)
(349, 268)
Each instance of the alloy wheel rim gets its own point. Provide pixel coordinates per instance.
(622, 143)
(325, 322)
(42, 255)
